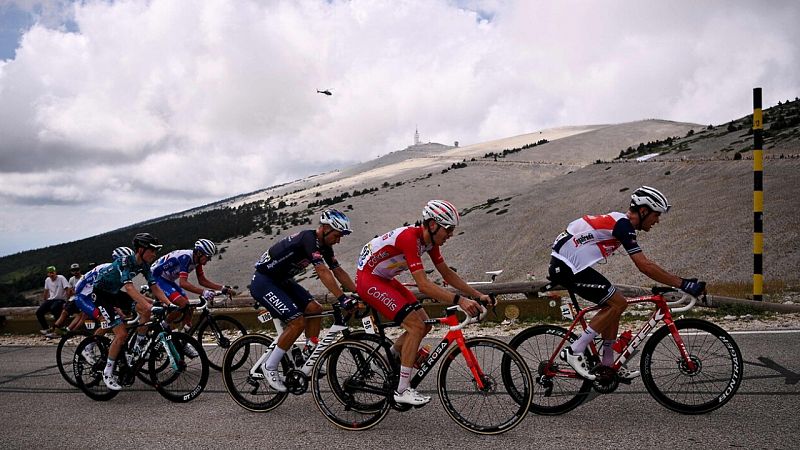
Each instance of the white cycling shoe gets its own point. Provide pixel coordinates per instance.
(577, 362)
(274, 379)
(111, 382)
(88, 355)
(411, 397)
(190, 351)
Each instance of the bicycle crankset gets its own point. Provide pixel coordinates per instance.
(296, 382)
(606, 380)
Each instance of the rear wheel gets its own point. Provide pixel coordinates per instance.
(65, 353)
(185, 374)
(243, 377)
(88, 372)
(556, 387)
(216, 335)
(707, 383)
(478, 397)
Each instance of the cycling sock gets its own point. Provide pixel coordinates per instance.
(109, 370)
(275, 358)
(405, 378)
(580, 345)
(608, 353)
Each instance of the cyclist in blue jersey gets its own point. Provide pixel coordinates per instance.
(273, 285)
(172, 270)
(112, 288)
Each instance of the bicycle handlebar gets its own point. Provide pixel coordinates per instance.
(469, 319)
(681, 301)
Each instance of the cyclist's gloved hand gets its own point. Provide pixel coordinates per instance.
(347, 302)
(693, 287)
(208, 295)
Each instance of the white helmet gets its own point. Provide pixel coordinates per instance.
(337, 220)
(206, 247)
(121, 252)
(650, 197)
(442, 212)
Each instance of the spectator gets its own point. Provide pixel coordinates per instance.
(70, 307)
(53, 296)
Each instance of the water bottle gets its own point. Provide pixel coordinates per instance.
(422, 355)
(297, 355)
(622, 342)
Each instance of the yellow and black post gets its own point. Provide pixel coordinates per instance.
(758, 197)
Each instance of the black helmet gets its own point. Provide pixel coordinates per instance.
(145, 240)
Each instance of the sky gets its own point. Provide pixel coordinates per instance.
(114, 112)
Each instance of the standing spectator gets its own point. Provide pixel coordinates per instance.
(70, 307)
(53, 296)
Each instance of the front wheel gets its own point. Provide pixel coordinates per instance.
(243, 375)
(216, 335)
(475, 386)
(557, 389)
(712, 378)
(178, 367)
(88, 364)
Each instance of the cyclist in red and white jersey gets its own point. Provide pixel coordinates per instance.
(399, 250)
(591, 239)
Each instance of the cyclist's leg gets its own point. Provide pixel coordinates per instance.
(305, 302)
(175, 295)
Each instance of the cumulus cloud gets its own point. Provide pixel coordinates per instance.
(158, 104)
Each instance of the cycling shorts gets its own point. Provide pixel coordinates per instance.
(588, 283)
(284, 299)
(387, 296)
(170, 288)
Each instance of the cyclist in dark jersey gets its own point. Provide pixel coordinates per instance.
(273, 285)
(591, 239)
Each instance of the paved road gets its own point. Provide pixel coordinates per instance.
(40, 410)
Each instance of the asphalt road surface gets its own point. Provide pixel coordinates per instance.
(40, 410)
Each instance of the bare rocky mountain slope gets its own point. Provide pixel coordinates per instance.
(514, 207)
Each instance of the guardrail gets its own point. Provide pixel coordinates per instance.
(536, 304)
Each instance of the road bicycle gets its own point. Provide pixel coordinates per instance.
(65, 350)
(691, 366)
(177, 365)
(353, 382)
(243, 364)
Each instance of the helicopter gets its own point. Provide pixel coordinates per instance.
(326, 92)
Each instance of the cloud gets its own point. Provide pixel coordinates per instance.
(170, 104)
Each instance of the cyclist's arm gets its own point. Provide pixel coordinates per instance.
(454, 280)
(654, 271)
(344, 279)
(137, 297)
(184, 283)
(436, 292)
(205, 282)
(328, 280)
(159, 294)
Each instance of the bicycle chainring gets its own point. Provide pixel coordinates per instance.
(607, 380)
(296, 382)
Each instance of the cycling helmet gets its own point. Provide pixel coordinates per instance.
(121, 252)
(337, 220)
(146, 240)
(206, 247)
(650, 197)
(442, 212)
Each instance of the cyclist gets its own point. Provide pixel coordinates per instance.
(274, 287)
(108, 289)
(171, 273)
(386, 256)
(591, 239)
(70, 308)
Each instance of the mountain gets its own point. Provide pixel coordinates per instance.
(516, 194)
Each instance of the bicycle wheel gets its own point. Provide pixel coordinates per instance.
(216, 335)
(353, 394)
(716, 378)
(186, 375)
(492, 408)
(89, 374)
(554, 391)
(245, 382)
(65, 352)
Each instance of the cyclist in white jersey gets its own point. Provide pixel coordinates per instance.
(591, 239)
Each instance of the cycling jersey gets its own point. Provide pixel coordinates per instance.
(121, 272)
(397, 251)
(593, 238)
(293, 254)
(175, 264)
(385, 257)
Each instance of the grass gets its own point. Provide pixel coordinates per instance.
(745, 290)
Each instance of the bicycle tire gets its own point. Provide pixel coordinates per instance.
(65, 353)
(668, 380)
(89, 375)
(493, 409)
(376, 342)
(187, 379)
(251, 393)
(353, 394)
(551, 395)
(216, 334)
